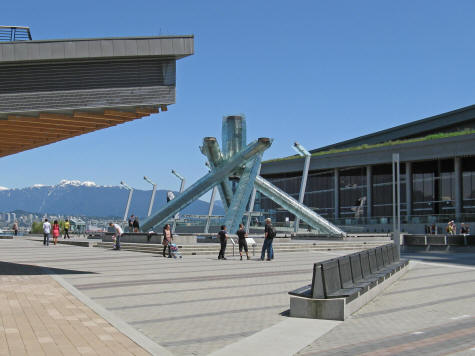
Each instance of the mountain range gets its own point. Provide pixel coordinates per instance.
(72, 197)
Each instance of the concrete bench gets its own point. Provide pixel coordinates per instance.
(343, 280)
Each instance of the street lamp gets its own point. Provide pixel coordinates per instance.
(304, 153)
(181, 178)
(153, 194)
(131, 191)
(182, 188)
(211, 203)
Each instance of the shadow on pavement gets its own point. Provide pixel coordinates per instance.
(8, 268)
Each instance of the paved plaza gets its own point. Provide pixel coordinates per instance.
(199, 305)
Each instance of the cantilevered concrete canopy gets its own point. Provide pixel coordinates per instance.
(56, 89)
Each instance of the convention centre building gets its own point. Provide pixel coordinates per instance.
(351, 183)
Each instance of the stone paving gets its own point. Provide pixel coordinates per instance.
(190, 306)
(429, 311)
(198, 305)
(39, 317)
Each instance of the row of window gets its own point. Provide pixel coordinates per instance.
(433, 189)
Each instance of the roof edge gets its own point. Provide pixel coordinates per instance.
(395, 128)
(101, 39)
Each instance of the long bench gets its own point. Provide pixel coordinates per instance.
(351, 276)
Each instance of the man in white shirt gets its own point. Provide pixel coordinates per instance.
(118, 233)
(46, 232)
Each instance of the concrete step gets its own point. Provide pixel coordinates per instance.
(211, 249)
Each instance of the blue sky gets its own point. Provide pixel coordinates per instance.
(313, 71)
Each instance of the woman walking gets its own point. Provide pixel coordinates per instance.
(167, 240)
(55, 231)
(242, 241)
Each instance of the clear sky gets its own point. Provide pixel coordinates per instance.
(314, 71)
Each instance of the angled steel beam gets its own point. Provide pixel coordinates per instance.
(293, 206)
(303, 152)
(207, 182)
(210, 210)
(251, 205)
(215, 158)
(241, 197)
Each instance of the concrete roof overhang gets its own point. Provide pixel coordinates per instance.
(29, 122)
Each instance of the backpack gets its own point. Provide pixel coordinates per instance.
(271, 233)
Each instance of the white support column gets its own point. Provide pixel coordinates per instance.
(408, 190)
(396, 202)
(336, 194)
(458, 188)
(303, 152)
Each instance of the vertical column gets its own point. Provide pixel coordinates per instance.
(408, 190)
(336, 185)
(458, 188)
(369, 191)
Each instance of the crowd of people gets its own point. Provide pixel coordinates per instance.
(450, 229)
(269, 235)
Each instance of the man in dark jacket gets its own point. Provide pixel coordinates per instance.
(269, 234)
(223, 239)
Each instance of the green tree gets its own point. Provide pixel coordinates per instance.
(37, 227)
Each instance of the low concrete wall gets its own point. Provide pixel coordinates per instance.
(78, 243)
(438, 240)
(137, 237)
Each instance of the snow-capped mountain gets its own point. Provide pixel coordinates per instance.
(73, 197)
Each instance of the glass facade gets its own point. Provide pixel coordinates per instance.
(433, 187)
(383, 190)
(433, 191)
(353, 195)
(468, 184)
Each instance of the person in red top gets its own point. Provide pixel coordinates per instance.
(55, 231)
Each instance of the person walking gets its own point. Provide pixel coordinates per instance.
(242, 241)
(167, 240)
(55, 231)
(67, 225)
(136, 224)
(269, 234)
(223, 239)
(46, 232)
(15, 228)
(118, 233)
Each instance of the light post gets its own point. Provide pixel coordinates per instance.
(211, 203)
(131, 191)
(396, 202)
(182, 188)
(304, 153)
(153, 194)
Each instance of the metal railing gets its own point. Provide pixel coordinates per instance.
(14, 33)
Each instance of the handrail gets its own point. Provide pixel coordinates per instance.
(15, 33)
